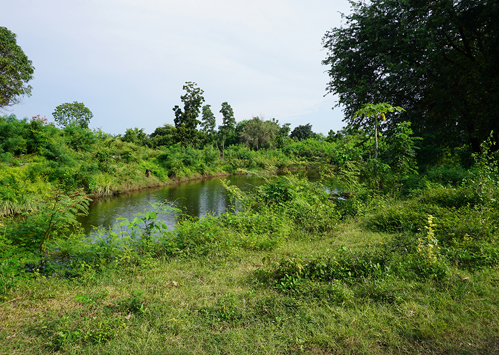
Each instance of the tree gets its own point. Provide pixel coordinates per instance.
(228, 124)
(282, 137)
(372, 113)
(302, 132)
(186, 120)
(164, 136)
(437, 59)
(259, 133)
(238, 131)
(136, 136)
(75, 113)
(208, 122)
(16, 70)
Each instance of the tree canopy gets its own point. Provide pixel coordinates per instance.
(186, 120)
(228, 119)
(436, 59)
(228, 126)
(136, 136)
(164, 136)
(302, 132)
(259, 133)
(16, 70)
(75, 113)
(208, 123)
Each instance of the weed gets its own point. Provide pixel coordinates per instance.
(135, 303)
(428, 247)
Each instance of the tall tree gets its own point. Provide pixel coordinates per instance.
(16, 70)
(228, 124)
(208, 122)
(302, 132)
(436, 59)
(186, 120)
(259, 133)
(75, 113)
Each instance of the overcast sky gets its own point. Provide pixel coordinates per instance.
(127, 60)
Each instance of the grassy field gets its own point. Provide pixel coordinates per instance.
(302, 275)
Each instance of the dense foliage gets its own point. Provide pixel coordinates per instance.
(16, 70)
(438, 60)
(72, 114)
(302, 132)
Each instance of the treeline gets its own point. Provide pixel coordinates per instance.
(195, 125)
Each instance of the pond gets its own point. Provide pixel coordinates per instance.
(196, 198)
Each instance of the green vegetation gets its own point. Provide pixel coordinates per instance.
(370, 111)
(302, 132)
(381, 256)
(36, 157)
(75, 113)
(186, 120)
(16, 70)
(397, 262)
(436, 59)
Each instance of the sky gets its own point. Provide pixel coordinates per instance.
(127, 60)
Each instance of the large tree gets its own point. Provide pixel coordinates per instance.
(15, 70)
(228, 124)
(436, 59)
(208, 123)
(302, 132)
(69, 114)
(186, 120)
(259, 133)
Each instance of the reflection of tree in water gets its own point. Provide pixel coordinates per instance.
(212, 199)
(185, 197)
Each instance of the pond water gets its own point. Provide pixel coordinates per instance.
(196, 198)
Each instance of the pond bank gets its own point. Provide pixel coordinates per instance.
(158, 183)
(196, 198)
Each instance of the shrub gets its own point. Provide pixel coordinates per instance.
(449, 174)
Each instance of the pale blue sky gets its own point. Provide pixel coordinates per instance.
(127, 60)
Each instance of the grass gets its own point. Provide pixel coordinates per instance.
(215, 304)
(295, 271)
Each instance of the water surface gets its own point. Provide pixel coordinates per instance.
(196, 198)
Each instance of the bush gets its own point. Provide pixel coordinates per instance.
(449, 174)
(80, 138)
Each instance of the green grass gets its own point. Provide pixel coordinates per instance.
(295, 271)
(215, 304)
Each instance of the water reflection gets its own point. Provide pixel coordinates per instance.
(195, 198)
